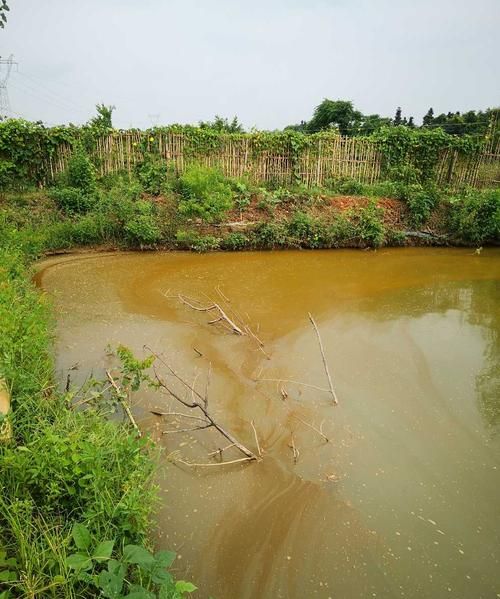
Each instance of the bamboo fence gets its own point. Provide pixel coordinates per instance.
(325, 158)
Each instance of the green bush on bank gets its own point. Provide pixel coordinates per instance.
(206, 193)
(474, 216)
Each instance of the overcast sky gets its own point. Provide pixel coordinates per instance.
(268, 61)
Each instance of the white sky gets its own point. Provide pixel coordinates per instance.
(268, 61)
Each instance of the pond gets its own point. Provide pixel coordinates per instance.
(402, 501)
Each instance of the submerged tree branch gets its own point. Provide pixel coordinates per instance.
(325, 364)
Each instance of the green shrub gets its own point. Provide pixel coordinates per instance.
(93, 228)
(141, 226)
(206, 193)
(346, 186)
(153, 174)
(235, 241)
(340, 230)
(199, 243)
(421, 201)
(270, 235)
(80, 172)
(369, 226)
(475, 216)
(73, 200)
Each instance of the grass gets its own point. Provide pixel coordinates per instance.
(62, 466)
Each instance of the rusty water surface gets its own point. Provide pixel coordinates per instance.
(403, 501)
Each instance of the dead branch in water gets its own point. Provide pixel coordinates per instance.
(318, 430)
(198, 402)
(222, 316)
(121, 396)
(198, 465)
(256, 438)
(296, 452)
(325, 364)
(299, 383)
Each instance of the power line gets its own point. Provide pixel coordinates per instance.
(5, 109)
(37, 82)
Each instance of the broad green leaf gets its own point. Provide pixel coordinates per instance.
(165, 558)
(81, 536)
(111, 584)
(77, 561)
(134, 554)
(103, 551)
(140, 594)
(181, 586)
(7, 576)
(58, 579)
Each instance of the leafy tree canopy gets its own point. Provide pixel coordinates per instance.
(222, 124)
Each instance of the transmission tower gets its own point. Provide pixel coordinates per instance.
(5, 110)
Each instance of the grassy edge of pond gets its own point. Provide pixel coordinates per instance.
(76, 490)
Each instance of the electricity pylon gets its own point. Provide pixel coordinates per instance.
(5, 110)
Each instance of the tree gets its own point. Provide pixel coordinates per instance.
(397, 118)
(223, 124)
(338, 114)
(371, 123)
(3, 9)
(300, 127)
(411, 123)
(428, 118)
(103, 120)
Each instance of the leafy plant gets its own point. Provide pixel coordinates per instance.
(199, 243)
(369, 224)
(80, 172)
(235, 241)
(153, 174)
(135, 573)
(73, 200)
(475, 216)
(270, 235)
(206, 193)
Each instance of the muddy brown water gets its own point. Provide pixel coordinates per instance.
(404, 501)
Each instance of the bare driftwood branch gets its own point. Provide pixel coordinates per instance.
(325, 364)
(157, 413)
(296, 452)
(221, 449)
(121, 395)
(299, 383)
(318, 430)
(256, 438)
(208, 465)
(199, 402)
(222, 316)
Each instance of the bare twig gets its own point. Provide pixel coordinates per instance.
(256, 438)
(299, 383)
(296, 452)
(325, 364)
(121, 398)
(156, 413)
(187, 430)
(198, 402)
(192, 464)
(221, 449)
(222, 315)
(318, 430)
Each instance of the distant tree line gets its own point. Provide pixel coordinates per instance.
(341, 115)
